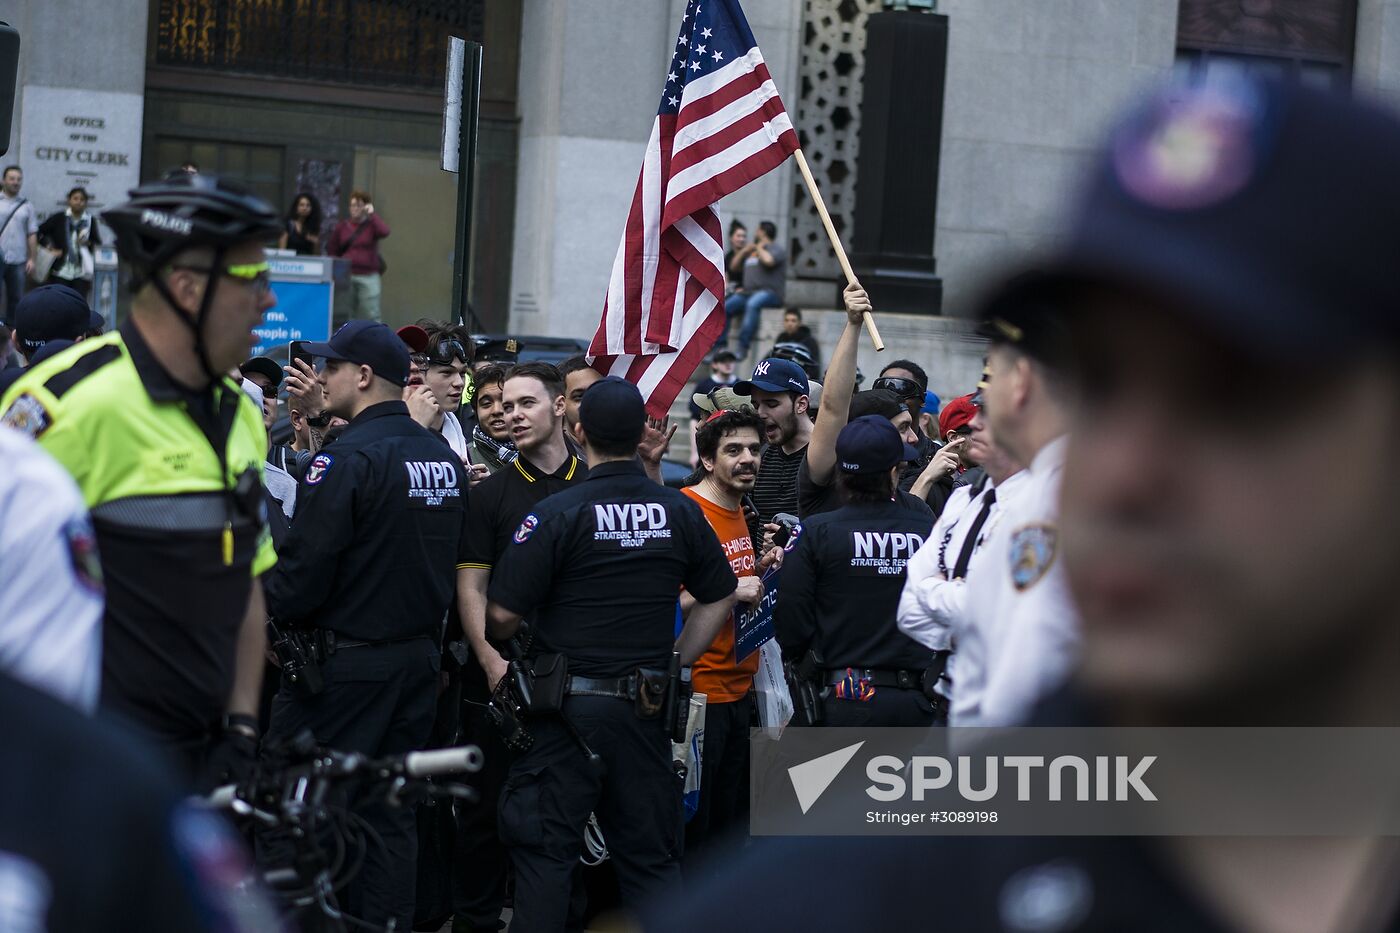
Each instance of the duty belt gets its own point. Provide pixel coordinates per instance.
(330, 642)
(617, 688)
(905, 680)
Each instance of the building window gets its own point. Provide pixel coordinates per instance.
(1311, 40)
(258, 168)
(380, 42)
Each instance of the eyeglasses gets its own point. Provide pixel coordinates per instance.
(904, 388)
(256, 274)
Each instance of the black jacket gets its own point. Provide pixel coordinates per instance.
(840, 587)
(378, 533)
(53, 233)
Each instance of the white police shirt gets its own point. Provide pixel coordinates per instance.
(51, 598)
(933, 606)
(1032, 636)
(968, 607)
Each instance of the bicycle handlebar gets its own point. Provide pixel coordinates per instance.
(443, 761)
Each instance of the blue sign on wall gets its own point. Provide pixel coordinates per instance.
(302, 312)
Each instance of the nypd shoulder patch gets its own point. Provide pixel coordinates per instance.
(318, 469)
(82, 548)
(792, 538)
(527, 528)
(27, 415)
(1033, 549)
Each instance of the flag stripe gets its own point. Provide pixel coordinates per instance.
(719, 125)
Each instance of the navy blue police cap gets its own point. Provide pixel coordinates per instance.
(871, 444)
(1264, 209)
(775, 375)
(367, 343)
(50, 312)
(612, 411)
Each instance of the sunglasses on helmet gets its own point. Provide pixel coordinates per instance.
(904, 388)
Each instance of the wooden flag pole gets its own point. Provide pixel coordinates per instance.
(836, 243)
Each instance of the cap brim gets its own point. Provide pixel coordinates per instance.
(746, 387)
(325, 350)
(702, 401)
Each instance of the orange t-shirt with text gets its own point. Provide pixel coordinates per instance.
(717, 674)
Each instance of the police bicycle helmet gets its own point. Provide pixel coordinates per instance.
(797, 353)
(180, 212)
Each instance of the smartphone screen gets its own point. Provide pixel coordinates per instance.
(296, 350)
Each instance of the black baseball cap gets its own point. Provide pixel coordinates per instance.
(724, 356)
(1261, 208)
(367, 343)
(775, 375)
(263, 366)
(612, 411)
(871, 444)
(50, 312)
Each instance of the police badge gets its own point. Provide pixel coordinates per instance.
(27, 415)
(1032, 553)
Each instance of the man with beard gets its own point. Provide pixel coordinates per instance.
(778, 390)
(534, 406)
(933, 607)
(491, 444)
(729, 445)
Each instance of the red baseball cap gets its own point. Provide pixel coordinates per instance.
(956, 414)
(414, 337)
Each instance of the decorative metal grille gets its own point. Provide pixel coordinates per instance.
(828, 120)
(379, 42)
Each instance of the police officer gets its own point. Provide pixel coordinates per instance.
(51, 598)
(534, 407)
(601, 565)
(841, 584)
(168, 454)
(1196, 571)
(1021, 615)
(369, 567)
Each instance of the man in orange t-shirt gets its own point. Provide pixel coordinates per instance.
(729, 444)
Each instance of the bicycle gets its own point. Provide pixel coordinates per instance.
(295, 804)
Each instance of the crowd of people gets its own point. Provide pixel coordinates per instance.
(452, 533)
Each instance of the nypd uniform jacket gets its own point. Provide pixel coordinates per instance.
(378, 533)
(51, 601)
(173, 480)
(1021, 608)
(934, 601)
(840, 587)
(603, 563)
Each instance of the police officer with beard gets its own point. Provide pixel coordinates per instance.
(369, 569)
(842, 579)
(600, 566)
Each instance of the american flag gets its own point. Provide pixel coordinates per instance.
(719, 126)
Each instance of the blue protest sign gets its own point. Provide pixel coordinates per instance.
(755, 626)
